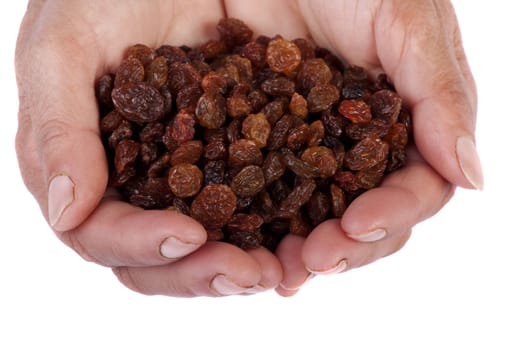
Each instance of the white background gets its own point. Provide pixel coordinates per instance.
(458, 283)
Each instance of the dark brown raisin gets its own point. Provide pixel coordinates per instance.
(157, 72)
(280, 86)
(248, 182)
(337, 200)
(214, 172)
(244, 152)
(125, 154)
(234, 32)
(367, 153)
(313, 72)
(138, 102)
(299, 196)
(318, 207)
(129, 71)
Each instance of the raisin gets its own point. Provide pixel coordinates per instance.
(337, 200)
(386, 105)
(322, 97)
(298, 106)
(144, 54)
(256, 128)
(110, 122)
(130, 71)
(123, 131)
(214, 83)
(367, 153)
(248, 182)
(298, 166)
(212, 49)
(152, 132)
(148, 152)
(103, 89)
(172, 54)
(346, 180)
(238, 106)
(241, 222)
(138, 102)
(125, 154)
(316, 133)
(256, 53)
(313, 72)
(188, 97)
(214, 206)
(273, 167)
(181, 75)
(279, 86)
(283, 56)
(279, 134)
(234, 32)
(321, 158)
(297, 137)
(356, 111)
(185, 180)
(215, 150)
(299, 196)
(179, 205)
(318, 207)
(244, 152)
(274, 110)
(156, 72)
(188, 152)
(214, 172)
(246, 240)
(211, 110)
(153, 193)
(180, 130)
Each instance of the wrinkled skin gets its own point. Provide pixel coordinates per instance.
(65, 45)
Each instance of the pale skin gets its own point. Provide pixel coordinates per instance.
(65, 45)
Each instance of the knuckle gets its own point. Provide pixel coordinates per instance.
(71, 239)
(125, 276)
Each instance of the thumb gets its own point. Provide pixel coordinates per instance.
(60, 153)
(421, 50)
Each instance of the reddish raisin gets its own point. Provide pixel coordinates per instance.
(234, 32)
(356, 111)
(125, 154)
(313, 72)
(157, 72)
(130, 71)
(188, 152)
(244, 152)
(213, 207)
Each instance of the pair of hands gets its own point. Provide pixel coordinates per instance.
(65, 45)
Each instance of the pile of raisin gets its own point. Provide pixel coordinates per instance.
(253, 138)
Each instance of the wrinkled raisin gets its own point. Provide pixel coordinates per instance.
(256, 128)
(248, 182)
(283, 56)
(185, 180)
(214, 206)
(211, 110)
(138, 102)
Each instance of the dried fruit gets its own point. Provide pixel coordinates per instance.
(253, 138)
(185, 180)
(214, 206)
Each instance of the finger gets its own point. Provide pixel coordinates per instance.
(327, 250)
(119, 234)
(271, 271)
(416, 49)
(294, 273)
(217, 269)
(405, 198)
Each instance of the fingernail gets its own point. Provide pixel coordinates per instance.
(339, 267)
(173, 248)
(258, 288)
(297, 287)
(371, 236)
(469, 161)
(61, 193)
(223, 286)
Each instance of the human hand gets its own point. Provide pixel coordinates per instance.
(64, 46)
(418, 45)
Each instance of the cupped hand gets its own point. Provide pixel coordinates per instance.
(64, 46)
(418, 45)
